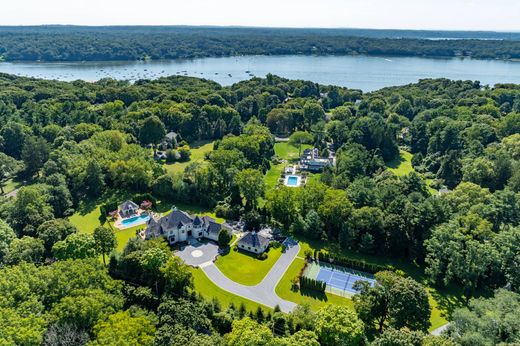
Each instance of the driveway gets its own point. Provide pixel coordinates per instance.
(263, 293)
(197, 253)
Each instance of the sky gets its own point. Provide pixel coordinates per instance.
(498, 15)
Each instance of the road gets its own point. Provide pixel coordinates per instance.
(263, 293)
(440, 330)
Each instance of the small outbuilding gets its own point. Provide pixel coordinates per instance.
(253, 242)
(128, 208)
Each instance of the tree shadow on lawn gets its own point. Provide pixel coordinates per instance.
(86, 206)
(395, 163)
(314, 294)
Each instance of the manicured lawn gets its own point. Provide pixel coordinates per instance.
(245, 268)
(287, 151)
(209, 290)
(314, 299)
(273, 174)
(402, 165)
(198, 152)
(443, 300)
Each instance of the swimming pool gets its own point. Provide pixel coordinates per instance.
(135, 221)
(293, 180)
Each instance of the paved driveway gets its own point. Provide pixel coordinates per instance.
(197, 253)
(263, 293)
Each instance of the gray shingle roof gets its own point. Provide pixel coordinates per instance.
(254, 239)
(128, 205)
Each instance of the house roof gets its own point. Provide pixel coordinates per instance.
(175, 218)
(214, 228)
(128, 205)
(254, 239)
(171, 135)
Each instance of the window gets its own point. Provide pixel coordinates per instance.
(256, 250)
(200, 234)
(249, 247)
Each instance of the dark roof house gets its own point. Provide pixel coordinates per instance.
(253, 242)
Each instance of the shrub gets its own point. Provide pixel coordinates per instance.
(263, 256)
(275, 245)
(224, 237)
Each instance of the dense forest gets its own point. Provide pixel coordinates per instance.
(455, 214)
(66, 43)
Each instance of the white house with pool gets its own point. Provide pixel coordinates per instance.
(179, 226)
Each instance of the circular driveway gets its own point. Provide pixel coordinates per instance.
(197, 253)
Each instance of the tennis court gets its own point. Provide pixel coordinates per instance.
(339, 280)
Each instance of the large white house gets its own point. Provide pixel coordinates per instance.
(179, 226)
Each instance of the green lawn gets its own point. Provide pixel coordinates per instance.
(402, 165)
(444, 300)
(245, 268)
(198, 152)
(288, 152)
(314, 299)
(10, 185)
(209, 290)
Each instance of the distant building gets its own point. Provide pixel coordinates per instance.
(128, 208)
(170, 141)
(254, 242)
(179, 226)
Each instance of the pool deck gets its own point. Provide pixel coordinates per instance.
(119, 223)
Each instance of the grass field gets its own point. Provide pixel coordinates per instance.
(245, 268)
(314, 299)
(209, 290)
(443, 300)
(198, 151)
(10, 185)
(402, 165)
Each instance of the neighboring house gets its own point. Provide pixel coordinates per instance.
(128, 208)
(253, 242)
(170, 141)
(311, 160)
(179, 226)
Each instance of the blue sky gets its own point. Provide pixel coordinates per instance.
(502, 15)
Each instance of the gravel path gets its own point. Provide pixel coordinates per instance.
(264, 292)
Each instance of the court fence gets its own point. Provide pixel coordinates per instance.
(313, 269)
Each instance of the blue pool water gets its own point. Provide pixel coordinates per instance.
(292, 180)
(136, 220)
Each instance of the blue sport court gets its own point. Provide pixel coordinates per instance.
(342, 279)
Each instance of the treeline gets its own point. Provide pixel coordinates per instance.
(352, 263)
(312, 284)
(56, 43)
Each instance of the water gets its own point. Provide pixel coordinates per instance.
(135, 221)
(362, 72)
(293, 180)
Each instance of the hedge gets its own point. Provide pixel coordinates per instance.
(312, 284)
(353, 263)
